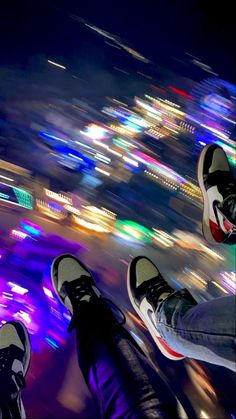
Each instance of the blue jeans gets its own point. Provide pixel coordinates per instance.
(205, 331)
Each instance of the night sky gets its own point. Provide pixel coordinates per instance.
(158, 29)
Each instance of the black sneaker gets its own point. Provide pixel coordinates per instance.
(147, 289)
(218, 187)
(72, 282)
(14, 364)
(76, 289)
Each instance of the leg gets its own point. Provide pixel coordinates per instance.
(177, 323)
(116, 372)
(205, 331)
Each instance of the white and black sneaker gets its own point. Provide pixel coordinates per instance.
(147, 289)
(218, 187)
(76, 288)
(72, 282)
(14, 364)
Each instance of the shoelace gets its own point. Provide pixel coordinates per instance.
(223, 178)
(230, 186)
(5, 355)
(228, 183)
(20, 379)
(156, 288)
(80, 288)
(77, 289)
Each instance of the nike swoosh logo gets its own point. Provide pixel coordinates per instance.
(147, 310)
(150, 313)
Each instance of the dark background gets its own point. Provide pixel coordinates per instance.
(161, 30)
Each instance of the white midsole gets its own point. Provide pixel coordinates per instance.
(205, 219)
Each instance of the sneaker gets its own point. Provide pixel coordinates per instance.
(72, 282)
(14, 364)
(147, 289)
(218, 187)
(75, 286)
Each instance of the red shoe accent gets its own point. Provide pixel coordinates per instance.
(168, 349)
(216, 232)
(228, 225)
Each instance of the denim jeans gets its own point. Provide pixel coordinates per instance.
(116, 371)
(205, 331)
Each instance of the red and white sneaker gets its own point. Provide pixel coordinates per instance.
(147, 289)
(218, 187)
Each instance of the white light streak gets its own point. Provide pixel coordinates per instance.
(56, 64)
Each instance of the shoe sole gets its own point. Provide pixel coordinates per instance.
(162, 346)
(206, 216)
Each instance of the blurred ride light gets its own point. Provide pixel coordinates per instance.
(116, 153)
(24, 198)
(130, 161)
(90, 226)
(72, 209)
(6, 178)
(161, 181)
(102, 212)
(16, 196)
(148, 107)
(128, 131)
(63, 199)
(130, 230)
(211, 253)
(162, 238)
(228, 279)
(31, 228)
(216, 132)
(4, 196)
(18, 289)
(154, 133)
(94, 131)
(101, 144)
(46, 135)
(180, 92)
(18, 235)
(136, 320)
(104, 172)
(100, 220)
(124, 144)
(220, 287)
(165, 107)
(196, 276)
(23, 315)
(75, 157)
(52, 212)
(57, 65)
(48, 292)
(103, 158)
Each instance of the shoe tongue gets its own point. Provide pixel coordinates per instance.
(17, 366)
(164, 295)
(141, 290)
